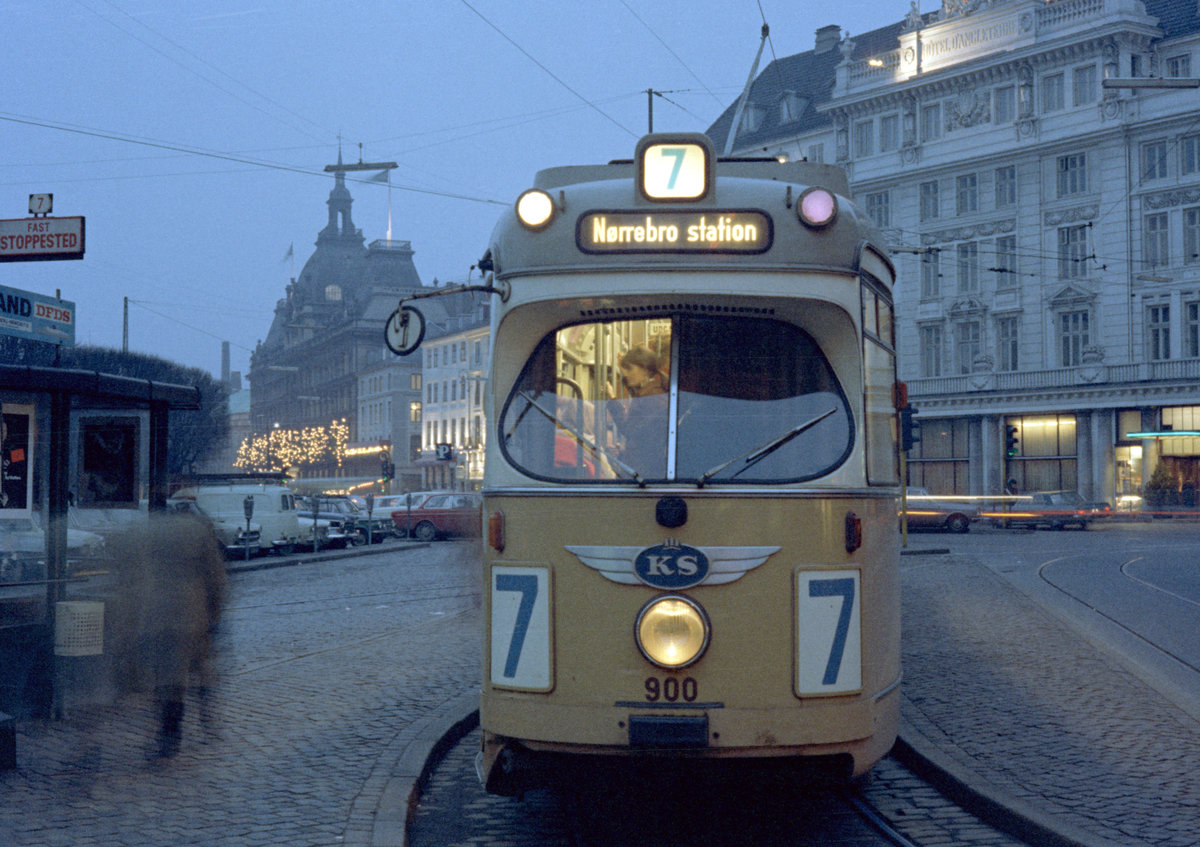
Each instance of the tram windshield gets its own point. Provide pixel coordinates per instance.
(682, 398)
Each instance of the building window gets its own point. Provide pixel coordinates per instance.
(1154, 240)
(1005, 104)
(1073, 337)
(930, 275)
(333, 293)
(1006, 344)
(1179, 66)
(1189, 154)
(968, 267)
(1071, 173)
(1006, 261)
(1154, 160)
(1006, 186)
(791, 107)
(1191, 235)
(969, 345)
(931, 351)
(1191, 329)
(414, 382)
(889, 133)
(1052, 93)
(931, 122)
(1083, 85)
(1048, 459)
(752, 118)
(1072, 252)
(864, 138)
(1158, 332)
(939, 461)
(878, 208)
(414, 411)
(929, 200)
(816, 153)
(966, 193)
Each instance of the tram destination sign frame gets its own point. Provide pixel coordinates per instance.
(744, 231)
(41, 239)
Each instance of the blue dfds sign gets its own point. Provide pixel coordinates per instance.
(38, 318)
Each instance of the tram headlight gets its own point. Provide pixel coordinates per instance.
(672, 631)
(817, 207)
(535, 208)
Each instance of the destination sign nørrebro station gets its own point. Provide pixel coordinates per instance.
(693, 231)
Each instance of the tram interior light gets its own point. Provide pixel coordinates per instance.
(535, 208)
(817, 207)
(672, 631)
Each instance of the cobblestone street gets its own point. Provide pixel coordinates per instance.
(326, 667)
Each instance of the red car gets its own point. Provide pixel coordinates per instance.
(456, 513)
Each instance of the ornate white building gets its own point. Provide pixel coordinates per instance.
(1046, 228)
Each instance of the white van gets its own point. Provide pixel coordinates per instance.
(274, 524)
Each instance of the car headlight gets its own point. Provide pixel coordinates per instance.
(672, 631)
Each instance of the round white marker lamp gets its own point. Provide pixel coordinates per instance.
(535, 209)
(817, 207)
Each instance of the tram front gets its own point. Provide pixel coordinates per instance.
(690, 488)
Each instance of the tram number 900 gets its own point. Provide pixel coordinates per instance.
(672, 689)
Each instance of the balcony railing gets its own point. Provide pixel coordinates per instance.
(1097, 374)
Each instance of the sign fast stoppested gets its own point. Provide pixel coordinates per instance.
(41, 239)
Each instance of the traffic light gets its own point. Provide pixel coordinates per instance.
(387, 470)
(910, 430)
(1011, 442)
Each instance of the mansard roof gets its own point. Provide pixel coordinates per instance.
(812, 73)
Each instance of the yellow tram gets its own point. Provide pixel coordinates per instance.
(690, 498)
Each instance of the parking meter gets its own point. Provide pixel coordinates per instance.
(370, 521)
(315, 510)
(408, 514)
(248, 510)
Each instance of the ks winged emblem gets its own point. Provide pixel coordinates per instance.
(671, 565)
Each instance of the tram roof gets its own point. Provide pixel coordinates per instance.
(759, 185)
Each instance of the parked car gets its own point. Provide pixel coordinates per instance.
(346, 517)
(23, 548)
(1053, 509)
(444, 515)
(926, 511)
(273, 525)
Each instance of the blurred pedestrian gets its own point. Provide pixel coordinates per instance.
(172, 591)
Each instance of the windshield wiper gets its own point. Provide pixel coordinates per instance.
(759, 453)
(581, 439)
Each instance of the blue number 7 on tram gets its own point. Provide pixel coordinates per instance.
(678, 153)
(520, 628)
(828, 637)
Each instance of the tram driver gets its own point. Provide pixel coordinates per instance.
(641, 419)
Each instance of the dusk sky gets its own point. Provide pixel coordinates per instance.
(193, 136)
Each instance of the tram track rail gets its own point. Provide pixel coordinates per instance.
(891, 806)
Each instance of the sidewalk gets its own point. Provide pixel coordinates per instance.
(1003, 699)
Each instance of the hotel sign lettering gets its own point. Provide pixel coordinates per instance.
(960, 39)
